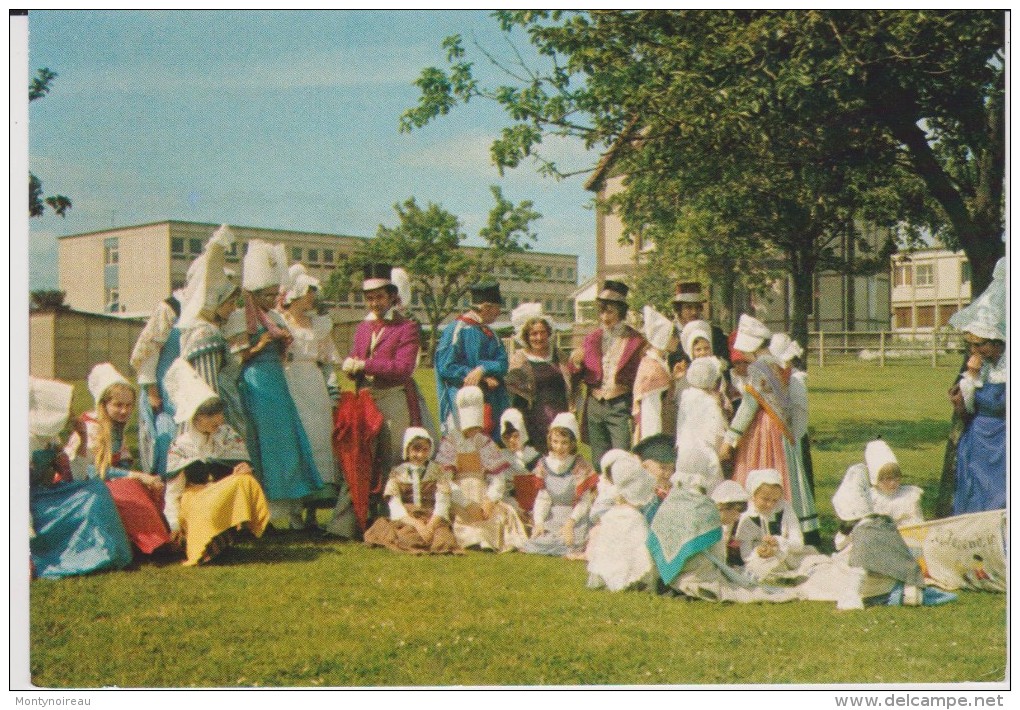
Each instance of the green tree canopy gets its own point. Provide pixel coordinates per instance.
(427, 242)
(785, 127)
(38, 87)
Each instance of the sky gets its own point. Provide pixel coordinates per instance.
(285, 120)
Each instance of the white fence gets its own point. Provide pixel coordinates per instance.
(945, 348)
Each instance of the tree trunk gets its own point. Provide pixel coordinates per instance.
(802, 269)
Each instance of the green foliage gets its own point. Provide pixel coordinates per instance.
(38, 87)
(427, 243)
(46, 300)
(288, 612)
(788, 126)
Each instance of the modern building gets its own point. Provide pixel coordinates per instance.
(841, 303)
(128, 270)
(928, 286)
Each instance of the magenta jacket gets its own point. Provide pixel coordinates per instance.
(395, 355)
(591, 370)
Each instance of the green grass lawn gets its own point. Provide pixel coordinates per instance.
(283, 612)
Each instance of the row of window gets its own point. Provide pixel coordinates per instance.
(907, 274)
(560, 273)
(905, 317)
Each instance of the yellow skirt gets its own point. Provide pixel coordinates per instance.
(210, 509)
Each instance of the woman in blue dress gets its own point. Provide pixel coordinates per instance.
(279, 447)
(75, 525)
(981, 398)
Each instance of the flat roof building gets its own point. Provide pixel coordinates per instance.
(129, 269)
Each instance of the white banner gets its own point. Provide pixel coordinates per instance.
(962, 552)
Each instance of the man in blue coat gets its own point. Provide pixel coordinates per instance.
(469, 353)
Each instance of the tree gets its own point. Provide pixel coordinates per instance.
(47, 300)
(37, 88)
(818, 100)
(427, 243)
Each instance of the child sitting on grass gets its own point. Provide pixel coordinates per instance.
(418, 491)
(771, 542)
(618, 556)
(731, 500)
(567, 486)
(478, 470)
(888, 495)
(522, 457)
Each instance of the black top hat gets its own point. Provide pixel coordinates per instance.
(486, 292)
(376, 276)
(688, 292)
(658, 447)
(613, 291)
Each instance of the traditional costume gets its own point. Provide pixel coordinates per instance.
(206, 499)
(691, 292)
(538, 386)
(280, 451)
(478, 471)
(75, 525)
(157, 346)
(524, 483)
(609, 368)
(762, 429)
(700, 423)
(382, 361)
(780, 524)
(419, 494)
(981, 452)
(567, 489)
(654, 401)
(138, 506)
(465, 344)
(903, 505)
(618, 556)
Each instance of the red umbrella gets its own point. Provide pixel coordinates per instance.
(356, 425)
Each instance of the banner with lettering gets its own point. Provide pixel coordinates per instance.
(962, 552)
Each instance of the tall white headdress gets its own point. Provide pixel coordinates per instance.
(209, 286)
(49, 403)
(102, 377)
(657, 328)
(187, 389)
(265, 265)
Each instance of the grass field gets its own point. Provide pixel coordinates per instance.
(281, 612)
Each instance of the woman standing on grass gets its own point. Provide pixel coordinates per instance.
(761, 435)
(279, 447)
(536, 379)
(980, 398)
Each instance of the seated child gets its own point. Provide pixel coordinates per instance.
(618, 557)
(75, 528)
(478, 471)
(98, 449)
(888, 496)
(567, 483)
(212, 492)
(522, 457)
(658, 456)
(771, 542)
(874, 564)
(697, 468)
(418, 492)
(731, 500)
(605, 490)
(686, 544)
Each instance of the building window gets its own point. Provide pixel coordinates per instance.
(112, 299)
(177, 246)
(177, 283)
(945, 311)
(964, 271)
(926, 316)
(559, 273)
(902, 275)
(548, 272)
(358, 298)
(195, 246)
(548, 305)
(342, 298)
(414, 298)
(111, 252)
(925, 275)
(327, 256)
(313, 256)
(231, 254)
(295, 253)
(902, 315)
(514, 302)
(570, 273)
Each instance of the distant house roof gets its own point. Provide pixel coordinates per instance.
(601, 171)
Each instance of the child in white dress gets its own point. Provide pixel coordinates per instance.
(888, 495)
(561, 513)
(701, 423)
(771, 542)
(731, 500)
(618, 557)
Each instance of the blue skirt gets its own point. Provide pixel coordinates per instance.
(279, 448)
(981, 454)
(77, 530)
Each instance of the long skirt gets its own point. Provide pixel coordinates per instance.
(502, 531)
(139, 510)
(551, 541)
(76, 530)
(981, 455)
(401, 537)
(764, 445)
(210, 509)
(156, 431)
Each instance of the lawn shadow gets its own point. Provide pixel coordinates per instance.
(846, 390)
(898, 434)
(263, 551)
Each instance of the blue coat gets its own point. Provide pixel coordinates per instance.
(464, 345)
